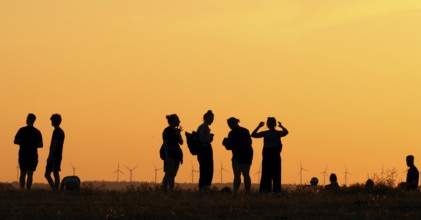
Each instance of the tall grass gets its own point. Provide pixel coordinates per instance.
(147, 201)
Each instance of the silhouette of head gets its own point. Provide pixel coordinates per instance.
(333, 178)
(173, 120)
(314, 181)
(271, 122)
(232, 122)
(410, 160)
(369, 183)
(55, 119)
(208, 117)
(30, 119)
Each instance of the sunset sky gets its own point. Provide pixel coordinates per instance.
(343, 76)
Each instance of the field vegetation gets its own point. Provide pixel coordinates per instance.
(147, 201)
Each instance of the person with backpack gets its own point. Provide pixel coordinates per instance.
(272, 147)
(205, 152)
(239, 142)
(172, 153)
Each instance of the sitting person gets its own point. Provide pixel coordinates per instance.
(333, 186)
(412, 176)
(70, 183)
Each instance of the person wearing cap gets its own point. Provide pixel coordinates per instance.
(272, 147)
(239, 142)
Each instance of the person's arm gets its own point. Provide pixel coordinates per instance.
(227, 141)
(257, 134)
(40, 143)
(284, 131)
(165, 146)
(17, 138)
(180, 138)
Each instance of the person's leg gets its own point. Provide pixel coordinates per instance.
(29, 181)
(245, 169)
(265, 181)
(172, 173)
(56, 180)
(165, 179)
(201, 170)
(22, 178)
(236, 168)
(210, 168)
(47, 176)
(276, 174)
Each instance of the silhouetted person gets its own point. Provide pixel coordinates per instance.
(369, 184)
(272, 147)
(412, 176)
(314, 181)
(239, 142)
(205, 152)
(70, 183)
(29, 140)
(333, 186)
(55, 155)
(173, 155)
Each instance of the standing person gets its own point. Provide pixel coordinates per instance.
(29, 140)
(239, 142)
(55, 155)
(412, 177)
(205, 153)
(173, 155)
(272, 147)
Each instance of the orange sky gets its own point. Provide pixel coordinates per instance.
(343, 77)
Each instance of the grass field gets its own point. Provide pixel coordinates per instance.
(146, 201)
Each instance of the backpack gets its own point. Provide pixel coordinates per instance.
(162, 152)
(193, 142)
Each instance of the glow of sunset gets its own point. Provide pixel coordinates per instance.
(343, 76)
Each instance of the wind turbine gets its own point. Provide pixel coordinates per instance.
(131, 171)
(192, 172)
(74, 169)
(346, 174)
(324, 175)
(222, 170)
(156, 171)
(258, 174)
(118, 171)
(301, 173)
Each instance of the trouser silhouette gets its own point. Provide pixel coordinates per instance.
(271, 171)
(205, 158)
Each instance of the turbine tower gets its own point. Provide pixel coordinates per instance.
(192, 173)
(222, 170)
(346, 174)
(324, 175)
(156, 171)
(301, 173)
(118, 171)
(258, 173)
(74, 169)
(131, 171)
